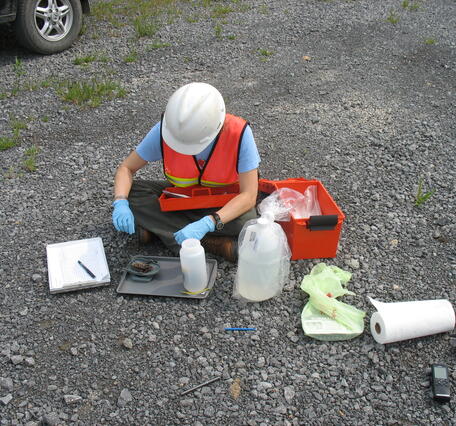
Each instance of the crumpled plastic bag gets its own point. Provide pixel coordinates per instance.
(286, 202)
(324, 317)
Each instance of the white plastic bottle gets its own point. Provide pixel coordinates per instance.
(260, 255)
(193, 264)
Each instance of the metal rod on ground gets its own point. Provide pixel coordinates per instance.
(201, 385)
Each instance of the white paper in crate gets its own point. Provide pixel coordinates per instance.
(398, 321)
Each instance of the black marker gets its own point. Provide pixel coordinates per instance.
(87, 269)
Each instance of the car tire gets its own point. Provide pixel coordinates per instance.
(48, 26)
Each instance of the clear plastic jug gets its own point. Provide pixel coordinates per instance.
(259, 266)
(193, 264)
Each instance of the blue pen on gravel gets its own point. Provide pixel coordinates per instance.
(240, 329)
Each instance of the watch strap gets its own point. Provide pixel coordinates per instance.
(218, 222)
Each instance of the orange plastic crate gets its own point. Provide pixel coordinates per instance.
(201, 197)
(316, 237)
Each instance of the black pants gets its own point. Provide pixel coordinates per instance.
(144, 204)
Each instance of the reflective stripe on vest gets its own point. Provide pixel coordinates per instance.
(220, 169)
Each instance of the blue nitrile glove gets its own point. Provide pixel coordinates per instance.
(196, 229)
(122, 217)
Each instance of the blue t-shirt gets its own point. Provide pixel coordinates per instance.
(150, 150)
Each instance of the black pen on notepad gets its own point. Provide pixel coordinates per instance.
(86, 269)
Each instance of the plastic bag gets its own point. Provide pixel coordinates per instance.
(264, 260)
(286, 201)
(308, 205)
(324, 317)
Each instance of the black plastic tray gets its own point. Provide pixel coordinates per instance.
(169, 281)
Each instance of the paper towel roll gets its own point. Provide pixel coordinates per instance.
(407, 320)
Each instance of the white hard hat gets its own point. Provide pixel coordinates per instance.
(193, 117)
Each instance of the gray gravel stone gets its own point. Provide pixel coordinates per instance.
(30, 361)
(127, 343)
(51, 419)
(6, 383)
(17, 359)
(6, 399)
(72, 399)
(37, 278)
(124, 398)
(289, 393)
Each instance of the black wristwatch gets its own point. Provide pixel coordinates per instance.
(218, 222)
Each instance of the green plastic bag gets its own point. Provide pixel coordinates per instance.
(324, 317)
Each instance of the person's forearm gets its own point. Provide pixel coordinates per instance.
(122, 182)
(237, 206)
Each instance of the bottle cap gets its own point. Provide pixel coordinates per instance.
(191, 244)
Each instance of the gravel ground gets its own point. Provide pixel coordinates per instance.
(334, 91)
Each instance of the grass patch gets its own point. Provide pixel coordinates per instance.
(29, 85)
(90, 93)
(84, 60)
(218, 31)
(83, 29)
(144, 27)
(421, 196)
(147, 16)
(192, 19)
(131, 57)
(107, 11)
(220, 11)
(406, 4)
(29, 162)
(6, 143)
(430, 41)
(265, 54)
(46, 83)
(18, 125)
(244, 8)
(18, 67)
(158, 45)
(136, 12)
(393, 17)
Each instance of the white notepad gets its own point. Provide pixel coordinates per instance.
(64, 271)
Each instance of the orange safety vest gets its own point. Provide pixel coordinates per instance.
(220, 168)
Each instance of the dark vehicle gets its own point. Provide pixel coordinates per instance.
(45, 26)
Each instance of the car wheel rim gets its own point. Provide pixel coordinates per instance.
(53, 19)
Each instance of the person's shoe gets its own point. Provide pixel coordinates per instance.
(144, 236)
(225, 247)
